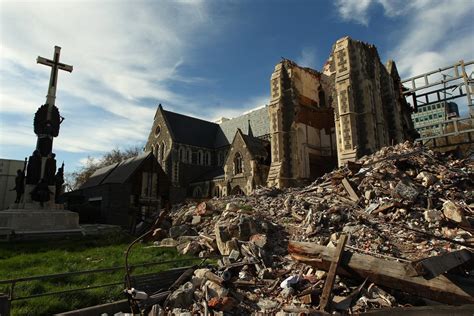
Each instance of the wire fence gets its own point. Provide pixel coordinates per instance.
(13, 282)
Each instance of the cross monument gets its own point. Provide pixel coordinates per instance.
(42, 165)
(53, 80)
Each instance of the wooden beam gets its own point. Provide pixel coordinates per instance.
(328, 285)
(448, 289)
(352, 193)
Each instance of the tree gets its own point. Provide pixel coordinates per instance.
(77, 178)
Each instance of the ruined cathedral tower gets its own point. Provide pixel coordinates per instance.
(322, 119)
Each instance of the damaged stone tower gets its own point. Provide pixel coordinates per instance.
(317, 120)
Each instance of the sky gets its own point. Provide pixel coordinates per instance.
(206, 59)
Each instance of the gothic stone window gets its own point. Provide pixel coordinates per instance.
(175, 172)
(157, 151)
(157, 130)
(237, 163)
(189, 155)
(217, 191)
(207, 158)
(182, 154)
(162, 151)
(199, 157)
(197, 193)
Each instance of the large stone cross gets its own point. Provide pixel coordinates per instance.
(53, 80)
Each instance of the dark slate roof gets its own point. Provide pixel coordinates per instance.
(259, 122)
(213, 174)
(117, 172)
(98, 176)
(126, 169)
(190, 130)
(255, 146)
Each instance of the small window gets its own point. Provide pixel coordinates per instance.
(162, 151)
(207, 158)
(157, 130)
(182, 154)
(237, 163)
(199, 157)
(189, 155)
(197, 193)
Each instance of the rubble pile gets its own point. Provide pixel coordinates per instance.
(401, 204)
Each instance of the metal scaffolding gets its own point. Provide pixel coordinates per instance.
(443, 84)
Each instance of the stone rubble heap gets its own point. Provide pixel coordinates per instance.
(403, 202)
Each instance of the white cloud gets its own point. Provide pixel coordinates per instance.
(437, 34)
(354, 10)
(358, 10)
(307, 58)
(122, 53)
(434, 33)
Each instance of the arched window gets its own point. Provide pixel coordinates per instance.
(189, 155)
(197, 193)
(216, 192)
(199, 157)
(157, 151)
(162, 151)
(182, 154)
(207, 158)
(237, 163)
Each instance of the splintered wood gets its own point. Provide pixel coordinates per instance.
(448, 289)
(328, 285)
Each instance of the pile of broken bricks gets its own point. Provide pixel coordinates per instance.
(391, 230)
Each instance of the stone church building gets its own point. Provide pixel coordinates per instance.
(314, 121)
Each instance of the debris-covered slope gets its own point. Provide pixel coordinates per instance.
(401, 204)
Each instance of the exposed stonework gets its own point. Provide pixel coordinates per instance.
(369, 110)
(301, 125)
(246, 165)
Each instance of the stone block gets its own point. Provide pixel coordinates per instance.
(38, 220)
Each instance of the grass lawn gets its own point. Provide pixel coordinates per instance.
(31, 258)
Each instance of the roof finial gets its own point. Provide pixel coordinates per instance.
(250, 133)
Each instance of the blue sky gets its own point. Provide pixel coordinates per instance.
(202, 58)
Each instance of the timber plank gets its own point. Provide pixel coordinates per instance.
(331, 277)
(442, 288)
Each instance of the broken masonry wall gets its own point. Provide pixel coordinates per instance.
(281, 113)
(302, 124)
(405, 129)
(369, 113)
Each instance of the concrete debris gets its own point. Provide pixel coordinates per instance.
(182, 297)
(398, 206)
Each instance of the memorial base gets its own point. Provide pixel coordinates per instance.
(37, 220)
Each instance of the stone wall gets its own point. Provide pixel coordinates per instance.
(369, 109)
(301, 124)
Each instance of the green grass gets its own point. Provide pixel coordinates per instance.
(31, 258)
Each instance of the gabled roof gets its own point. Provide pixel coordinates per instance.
(190, 130)
(117, 172)
(98, 176)
(126, 169)
(255, 146)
